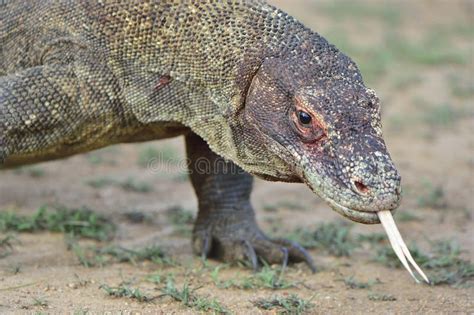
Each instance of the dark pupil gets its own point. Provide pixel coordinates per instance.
(304, 118)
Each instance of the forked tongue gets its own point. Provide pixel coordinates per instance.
(398, 245)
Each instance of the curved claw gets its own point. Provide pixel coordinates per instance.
(206, 246)
(254, 246)
(251, 254)
(299, 251)
(285, 258)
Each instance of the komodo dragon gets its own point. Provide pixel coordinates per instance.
(252, 90)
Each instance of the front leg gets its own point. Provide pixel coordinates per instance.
(225, 227)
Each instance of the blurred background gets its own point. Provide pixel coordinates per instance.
(417, 55)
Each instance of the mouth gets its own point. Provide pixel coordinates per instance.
(364, 217)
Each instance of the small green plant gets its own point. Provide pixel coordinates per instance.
(152, 253)
(352, 283)
(6, 245)
(101, 182)
(136, 186)
(220, 283)
(125, 291)
(334, 238)
(156, 278)
(291, 304)
(137, 216)
(14, 269)
(80, 222)
(187, 297)
(180, 216)
(381, 297)
(268, 277)
(93, 256)
(40, 302)
(128, 184)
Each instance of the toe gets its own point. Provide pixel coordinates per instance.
(297, 253)
(271, 252)
(202, 243)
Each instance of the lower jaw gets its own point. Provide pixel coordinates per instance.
(365, 217)
(354, 215)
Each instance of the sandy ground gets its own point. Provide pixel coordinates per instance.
(428, 125)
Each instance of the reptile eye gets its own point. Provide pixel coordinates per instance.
(304, 118)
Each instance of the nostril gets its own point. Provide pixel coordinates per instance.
(361, 188)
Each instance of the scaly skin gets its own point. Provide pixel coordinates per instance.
(258, 87)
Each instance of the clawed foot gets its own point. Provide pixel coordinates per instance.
(245, 242)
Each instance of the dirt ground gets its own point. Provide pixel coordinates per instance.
(417, 55)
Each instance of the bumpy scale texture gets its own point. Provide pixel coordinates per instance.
(234, 76)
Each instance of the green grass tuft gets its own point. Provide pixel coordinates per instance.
(125, 291)
(267, 278)
(133, 185)
(352, 283)
(92, 256)
(40, 302)
(335, 238)
(187, 297)
(381, 297)
(128, 184)
(80, 222)
(291, 304)
(6, 245)
(101, 182)
(180, 216)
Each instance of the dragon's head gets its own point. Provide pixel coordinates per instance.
(313, 120)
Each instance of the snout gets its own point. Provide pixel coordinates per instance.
(360, 188)
(376, 195)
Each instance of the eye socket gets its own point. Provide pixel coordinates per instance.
(304, 118)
